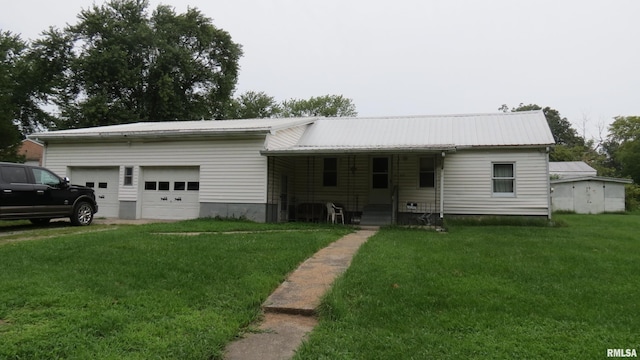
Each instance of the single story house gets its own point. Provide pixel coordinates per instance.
(570, 169)
(379, 170)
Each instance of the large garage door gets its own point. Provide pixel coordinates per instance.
(105, 183)
(170, 193)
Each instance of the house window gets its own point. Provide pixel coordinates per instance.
(128, 176)
(504, 179)
(427, 172)
(330, 172)
(380, 173)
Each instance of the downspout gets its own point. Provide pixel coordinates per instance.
(442, 187)
(548, 185)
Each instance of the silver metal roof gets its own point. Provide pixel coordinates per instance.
(442, 132)
(592, 178)
(571, 168)
(431, 133)
(176, 129)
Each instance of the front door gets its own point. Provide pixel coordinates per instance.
(380, 189)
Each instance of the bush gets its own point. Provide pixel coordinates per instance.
(632, 197)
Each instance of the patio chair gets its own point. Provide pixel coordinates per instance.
(333, 212)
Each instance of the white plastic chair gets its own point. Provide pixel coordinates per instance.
(333, 212)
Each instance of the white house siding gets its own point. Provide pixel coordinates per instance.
(285, 138)
(468, 186)
(231, 170)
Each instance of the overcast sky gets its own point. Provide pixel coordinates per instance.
(419, 57)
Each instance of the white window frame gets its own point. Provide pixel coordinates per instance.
(494, 178)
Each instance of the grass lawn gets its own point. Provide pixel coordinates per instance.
(144, 292)
(488, 292)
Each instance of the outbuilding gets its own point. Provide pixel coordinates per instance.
(589, 195)
(379, 170)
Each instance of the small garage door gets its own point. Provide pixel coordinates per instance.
(105, 183)
(170, 193)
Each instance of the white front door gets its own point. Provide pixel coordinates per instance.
(380, 192)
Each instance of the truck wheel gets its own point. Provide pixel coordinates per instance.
(82, 214)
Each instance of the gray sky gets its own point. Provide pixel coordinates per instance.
(419, 57)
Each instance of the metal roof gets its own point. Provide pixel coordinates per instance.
(431, 133)
(176, 129)
(579, 168)
(441, 132)
(592, 178)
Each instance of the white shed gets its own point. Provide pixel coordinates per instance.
(588, 195)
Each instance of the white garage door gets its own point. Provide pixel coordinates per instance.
(105, 183)
(170, 193)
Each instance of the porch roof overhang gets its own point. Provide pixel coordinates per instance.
(304, 150)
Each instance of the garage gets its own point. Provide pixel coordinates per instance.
(104, 181)
(170, 192)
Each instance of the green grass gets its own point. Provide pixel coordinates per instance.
(487, 292)
(130, 293)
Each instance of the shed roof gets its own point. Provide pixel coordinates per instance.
(570, 167)
(592, 178)
(437, 132)
(175, 129)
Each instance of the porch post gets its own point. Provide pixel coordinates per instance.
(442, 187)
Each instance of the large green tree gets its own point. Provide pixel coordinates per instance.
(19, 95)
(569, 145)
(327, 105)
(253, 105)
(623, 146)
(118, 64)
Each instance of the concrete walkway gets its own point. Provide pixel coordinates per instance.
(289, 310)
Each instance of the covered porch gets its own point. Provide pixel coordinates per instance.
(372, 188)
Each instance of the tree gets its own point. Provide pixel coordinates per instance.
(15, 102)
(120, 65)
(569, 145)
(327, 105)
(623, 145)
(563, 132)
(253, 105)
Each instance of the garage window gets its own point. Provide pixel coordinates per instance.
(150, 185)
(193, 186)
(179, 186)
(163, 185)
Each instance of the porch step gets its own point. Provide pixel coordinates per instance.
(376, 214)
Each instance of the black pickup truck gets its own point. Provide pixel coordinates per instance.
(39, 195)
